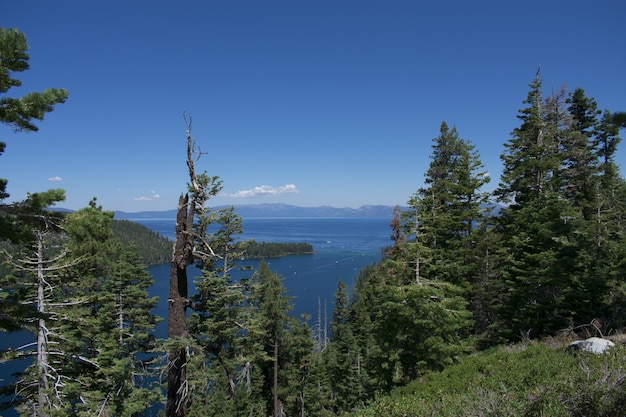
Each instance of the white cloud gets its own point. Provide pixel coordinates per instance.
(55, 179)
(153, 196)
(266, 190)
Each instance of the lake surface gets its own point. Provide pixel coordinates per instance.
(342, 247)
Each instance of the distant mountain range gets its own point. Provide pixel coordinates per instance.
(276, 210)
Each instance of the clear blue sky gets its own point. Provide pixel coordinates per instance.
(306, 102)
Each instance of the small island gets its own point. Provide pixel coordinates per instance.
(256, 249)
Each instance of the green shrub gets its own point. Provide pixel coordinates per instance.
(537, 381)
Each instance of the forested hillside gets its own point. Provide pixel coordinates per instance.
(456, 280)
(153, 248)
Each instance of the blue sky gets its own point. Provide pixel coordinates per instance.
(301, 102)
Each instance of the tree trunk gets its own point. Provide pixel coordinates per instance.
(176, 312)
(177, 301)
(42, 337)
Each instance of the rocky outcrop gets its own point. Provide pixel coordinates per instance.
(595, 345)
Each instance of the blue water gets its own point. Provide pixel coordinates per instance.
(342, 247)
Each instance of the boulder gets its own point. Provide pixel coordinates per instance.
(595, 345)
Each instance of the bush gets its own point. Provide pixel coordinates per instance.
(538, 381)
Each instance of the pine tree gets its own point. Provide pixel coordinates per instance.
(220, 380)
(20, 113)
(112, 331)
(577, 182)
(449, 223)
(94, 328)
(449, 208)
(532, 221)
(602, 239)
(397, 234)
(343, 356)
(272, 306)
(487, 292)
(551, 226)
(408, 329)
(296, 386)
(530, 158)
(38, 268)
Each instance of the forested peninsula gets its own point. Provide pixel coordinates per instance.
(154, 248)
(256, 250)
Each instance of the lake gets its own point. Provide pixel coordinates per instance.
(342, 247)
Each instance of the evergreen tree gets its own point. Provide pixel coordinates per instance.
(530, 158)
(273, 306)
(397, 234)
(20, 113)
(556, 163)
(221, 378)
(487, 292)
(578, 182)
(343, 356)
(603, 242)
(111, 330)
(448, 220)
(93, 324)
(532, 221)
(449, 208)
(408, 328)
(34, 221)
(296, 386)
(33, 286)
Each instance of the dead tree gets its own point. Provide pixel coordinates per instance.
(47, 387)
(189, 245)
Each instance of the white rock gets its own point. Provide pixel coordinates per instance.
(595, 345)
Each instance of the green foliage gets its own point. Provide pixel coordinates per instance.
(27, 220)
(619, 119)
(413, 328)
(538, 380)
(99, 326)
(115, 329)
(564, 226)
(272, 306)
(19, 113)
(255, 249)
(297, 390)
(451, 229)
(153, 248)
(343, 357)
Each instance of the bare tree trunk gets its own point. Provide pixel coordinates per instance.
(42, 337)
(177, 301)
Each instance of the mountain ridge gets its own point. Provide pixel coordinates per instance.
(276, 210)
